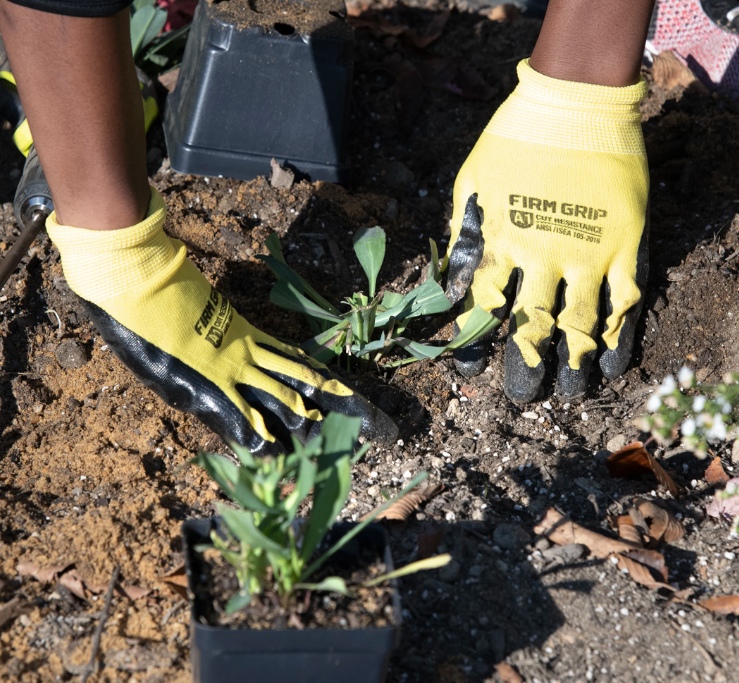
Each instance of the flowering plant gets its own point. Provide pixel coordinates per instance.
(703, 416)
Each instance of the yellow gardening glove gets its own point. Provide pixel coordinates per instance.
(184, 340)
(550, 208)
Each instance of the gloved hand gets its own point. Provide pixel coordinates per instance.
(184, 340)
(551, 208)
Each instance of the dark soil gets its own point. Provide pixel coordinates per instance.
(94, 468)
(371, 608)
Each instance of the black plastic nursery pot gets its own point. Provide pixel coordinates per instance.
(225, 655)
(263, 79)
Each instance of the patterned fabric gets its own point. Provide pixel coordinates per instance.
(710, 52)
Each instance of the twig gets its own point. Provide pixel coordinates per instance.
(172, 611)
(101, 625)
(60, 329)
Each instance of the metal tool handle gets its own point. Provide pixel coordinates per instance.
(32, 205)
(21, 246)
(33, 192)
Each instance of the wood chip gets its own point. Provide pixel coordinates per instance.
(563, 531)
(10, 610)
(508, 673)
(402, 509)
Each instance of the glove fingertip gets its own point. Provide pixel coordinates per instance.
(613, 362)
(522, 382)
(572, 383)
(379, 427)
(470, 360)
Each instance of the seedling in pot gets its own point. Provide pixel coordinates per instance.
(269, 547)
(702, 417)
(375, 323)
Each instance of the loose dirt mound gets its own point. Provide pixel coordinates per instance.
(94, 468)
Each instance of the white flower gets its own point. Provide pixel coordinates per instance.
(730, 487)
(654, 403)
(685, 377)
(717, 432)
(699, 402)
(668, 386)
(688, 428)
(724, 404)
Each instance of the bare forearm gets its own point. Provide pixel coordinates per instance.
(78, 85)
(593, 41)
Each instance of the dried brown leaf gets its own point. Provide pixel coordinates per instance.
(668, 71)
(628, 531)
(133, 592)
(508, 673)
(176, 580)
(650, 558)
(662, 524)
(635, 460)
(562, 531)
(42, 574)
(402, 509)
(640, 573)
(715, 473)
(71, 581)
(725, 604)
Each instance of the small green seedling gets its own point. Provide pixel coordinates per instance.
(704, 416)
(153, 52)
(374, 323)
(265, 542)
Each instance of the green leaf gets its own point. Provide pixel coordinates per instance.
(283, 272)
(327, 340)
(231, 480)
(332, 584)
(303, 484)
(426, 299)
(478, 324)
(333, 479)
(238, 601)
(340, 435)
(155, 27)
(286, 296)
(241, 524)
(363, 323)
(166, 39)
(433, 272)
(391, 299)
(364, 349)
(145, 25)
(139, 4)
(274, 247)
(317, 564)
(244, 455)
(419, 566)
(369, 246)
